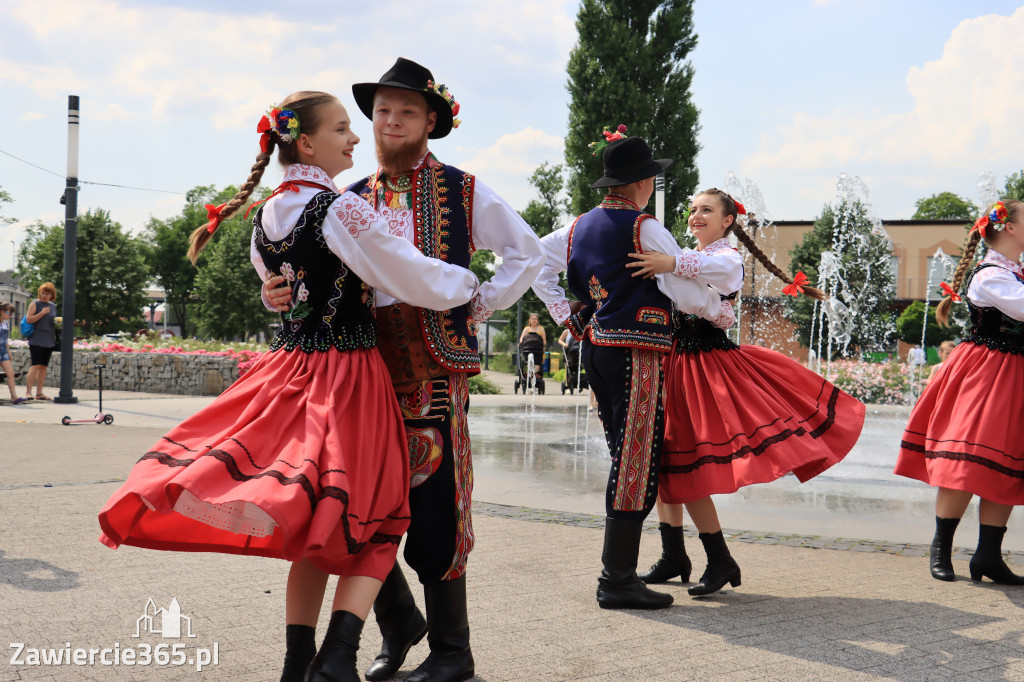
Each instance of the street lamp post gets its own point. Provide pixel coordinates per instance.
(14, 255)
(67, 346)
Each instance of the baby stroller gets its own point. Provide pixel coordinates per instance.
(575, 375)
(533, 344)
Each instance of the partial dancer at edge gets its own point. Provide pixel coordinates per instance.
(965, 435)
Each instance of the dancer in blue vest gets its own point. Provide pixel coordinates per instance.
(447, 214)
(626, 323)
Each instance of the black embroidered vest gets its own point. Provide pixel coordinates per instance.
(331, 306)
(993, 328)
(442, 206)
(627, 311)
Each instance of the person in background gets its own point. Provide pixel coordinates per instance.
(41, 312)
(6, 309)
(945, 348)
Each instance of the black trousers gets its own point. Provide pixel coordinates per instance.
(628, 383)
(440, 535)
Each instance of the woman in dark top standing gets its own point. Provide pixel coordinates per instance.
(41, 313)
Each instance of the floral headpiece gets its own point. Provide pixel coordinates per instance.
(609, 136)
(996, 218)
(282, 121)
(442, 90)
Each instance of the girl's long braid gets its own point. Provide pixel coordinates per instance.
(748, 243)
(201, 235)
(942, 310)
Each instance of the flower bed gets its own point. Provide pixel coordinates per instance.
(246, 354)
(883, 383)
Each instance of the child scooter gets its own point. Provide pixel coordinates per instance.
(100, 418)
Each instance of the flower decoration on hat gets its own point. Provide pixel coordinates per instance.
(284, 122)
(948, 291)
(795, 288)
(442, 90)
(609, 136)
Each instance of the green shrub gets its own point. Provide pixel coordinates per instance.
(478, 385)
(502, 362)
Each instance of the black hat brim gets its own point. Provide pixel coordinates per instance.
(624, 177)
(364, 93)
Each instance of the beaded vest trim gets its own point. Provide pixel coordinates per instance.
(331, 306)
(992, 327)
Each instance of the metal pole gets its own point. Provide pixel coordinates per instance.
(659, 198)
(14, 256)
(67, 348)
(519, 332)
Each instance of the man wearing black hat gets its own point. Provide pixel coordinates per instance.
(448, 214)
(626, 324)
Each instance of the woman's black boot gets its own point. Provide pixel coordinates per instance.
(401, 624)
(673, 561)
(941, 553)
(619, 587)
(336, 660)
(988, 558)
(722, 568)
(300, 648)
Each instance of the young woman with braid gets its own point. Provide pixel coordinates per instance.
(304, 458)
(734, 415)
(964, 435)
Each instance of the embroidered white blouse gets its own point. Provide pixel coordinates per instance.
(688, 294)
(496, 227)
(997, 287)
(358, 236)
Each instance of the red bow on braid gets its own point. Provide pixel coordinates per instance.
(739, 208)
(948, 291)
(213, 215)
(263, 128)
(795, 289)
(286, 186)
(980, 224)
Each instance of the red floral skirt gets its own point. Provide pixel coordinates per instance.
(303, 457)
(966, 432)
(749, 415)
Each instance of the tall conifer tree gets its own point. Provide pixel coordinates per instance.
(629, 66)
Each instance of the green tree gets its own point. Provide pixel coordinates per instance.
(167, 259)
(945, 206)
(629, 66)
(5, 198)
(857, 276)
(227, 286)
(1014, 188)
(110, 267)
(911, 321)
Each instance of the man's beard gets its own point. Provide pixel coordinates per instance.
(400, 158)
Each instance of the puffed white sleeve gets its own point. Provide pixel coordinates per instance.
(555, 248)
(688, 294)
(998, 288)
(722, 269)
(498, 228)
(357, 235)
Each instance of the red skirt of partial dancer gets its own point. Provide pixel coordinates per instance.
(303, 457)
(965, 432)
(749, 415)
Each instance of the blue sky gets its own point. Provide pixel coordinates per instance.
(914, 97)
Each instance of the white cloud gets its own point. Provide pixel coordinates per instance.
(507, 164)
(967, 108)
(32, 116)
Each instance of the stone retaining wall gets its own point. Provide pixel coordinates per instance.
(145, 372)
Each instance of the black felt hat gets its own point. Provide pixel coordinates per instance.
(628, 160)
(408, 75)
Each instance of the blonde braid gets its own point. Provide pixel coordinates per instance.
(942, 310)
(201, 235)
